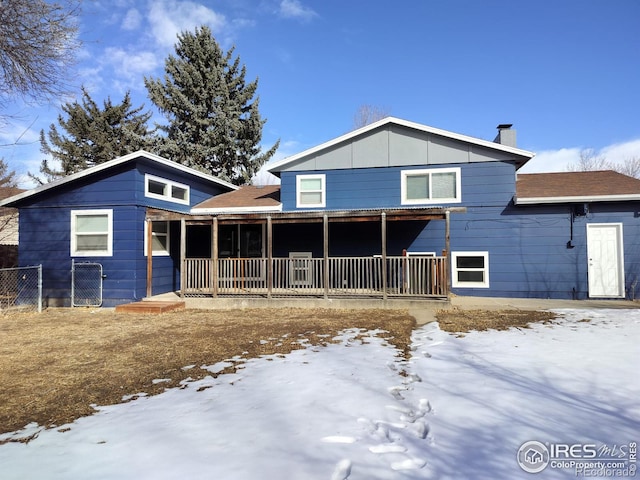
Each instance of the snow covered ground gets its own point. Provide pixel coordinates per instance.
(460, 408)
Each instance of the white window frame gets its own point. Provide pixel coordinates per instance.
(92, 253)
(157, 253)
(323, 190)
(168, 188)
(455, 270)
(429, 171)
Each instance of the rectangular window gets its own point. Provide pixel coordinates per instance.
(156, 187)
(470, 269)
(159, 238)
(311, 191)
(430, 186)
(91, 233)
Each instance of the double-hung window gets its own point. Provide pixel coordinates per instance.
(441, 185)
(159, 238)
(311, 191)
(470, 269)
(162, 189)
(91, 233)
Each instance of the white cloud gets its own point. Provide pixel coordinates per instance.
(294, 9)
(619, 152)
(132, 20)
(552, 161)
(559, 160)
(168, 18)
(130, 67)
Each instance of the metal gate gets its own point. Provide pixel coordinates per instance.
(86, 284)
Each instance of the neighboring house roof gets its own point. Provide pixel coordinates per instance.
(521, 155)
(9, 218)
(567, 187)
(249, 198)
(113, 163)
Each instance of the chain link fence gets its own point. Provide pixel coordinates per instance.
(21, 289)
(86, 284)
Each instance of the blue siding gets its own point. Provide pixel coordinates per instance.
(491, 183)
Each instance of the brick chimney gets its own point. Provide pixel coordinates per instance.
(506, 135)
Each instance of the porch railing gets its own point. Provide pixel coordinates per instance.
(341, 276)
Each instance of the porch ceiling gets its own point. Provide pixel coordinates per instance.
(365, 215)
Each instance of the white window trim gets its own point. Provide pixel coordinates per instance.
(323, 190)
(98, 253)
(166, 196)
(455, 270)
(428, 171)
(157, 253)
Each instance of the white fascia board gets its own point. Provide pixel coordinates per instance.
(577, 199)
(215, 211)
(113, 163)
(405, 123)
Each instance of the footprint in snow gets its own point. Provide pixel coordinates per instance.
(338, 439)
(387, 448)
(409, 464)
(342, 470)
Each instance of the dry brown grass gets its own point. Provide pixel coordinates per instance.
(55, 365)
(460, 321)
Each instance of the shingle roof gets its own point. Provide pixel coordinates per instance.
(249, 197)
(605, 185)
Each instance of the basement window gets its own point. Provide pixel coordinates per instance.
(162, 189)
(470, 269)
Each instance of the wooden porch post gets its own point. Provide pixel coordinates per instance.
(325, 254)
(269, 256)
(383, 225)
(183, 255)
(149, 235)
(214, 257)
(447, 249)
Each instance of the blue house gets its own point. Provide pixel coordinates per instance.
(97, 218)
(395, 209)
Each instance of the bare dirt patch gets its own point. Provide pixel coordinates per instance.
(55, 365)
(461, 321)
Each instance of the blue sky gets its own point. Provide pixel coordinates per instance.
(566, 73)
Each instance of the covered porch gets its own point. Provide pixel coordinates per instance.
(235, 254)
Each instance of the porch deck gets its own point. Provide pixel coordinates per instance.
(335, 277)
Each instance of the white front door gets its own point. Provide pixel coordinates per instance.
(606, 260)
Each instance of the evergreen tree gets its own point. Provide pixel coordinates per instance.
(214, 122)
(93, 135)
(7, 177)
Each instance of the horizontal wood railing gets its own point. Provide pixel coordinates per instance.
(345, 276)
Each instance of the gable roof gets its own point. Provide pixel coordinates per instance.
(248, 198)
(567, 187)
(111, 164)
(281, 165)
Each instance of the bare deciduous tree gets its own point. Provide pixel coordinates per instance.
(590, 161)
(367, 114)
(38, 42)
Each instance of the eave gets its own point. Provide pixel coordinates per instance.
(576, 199)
